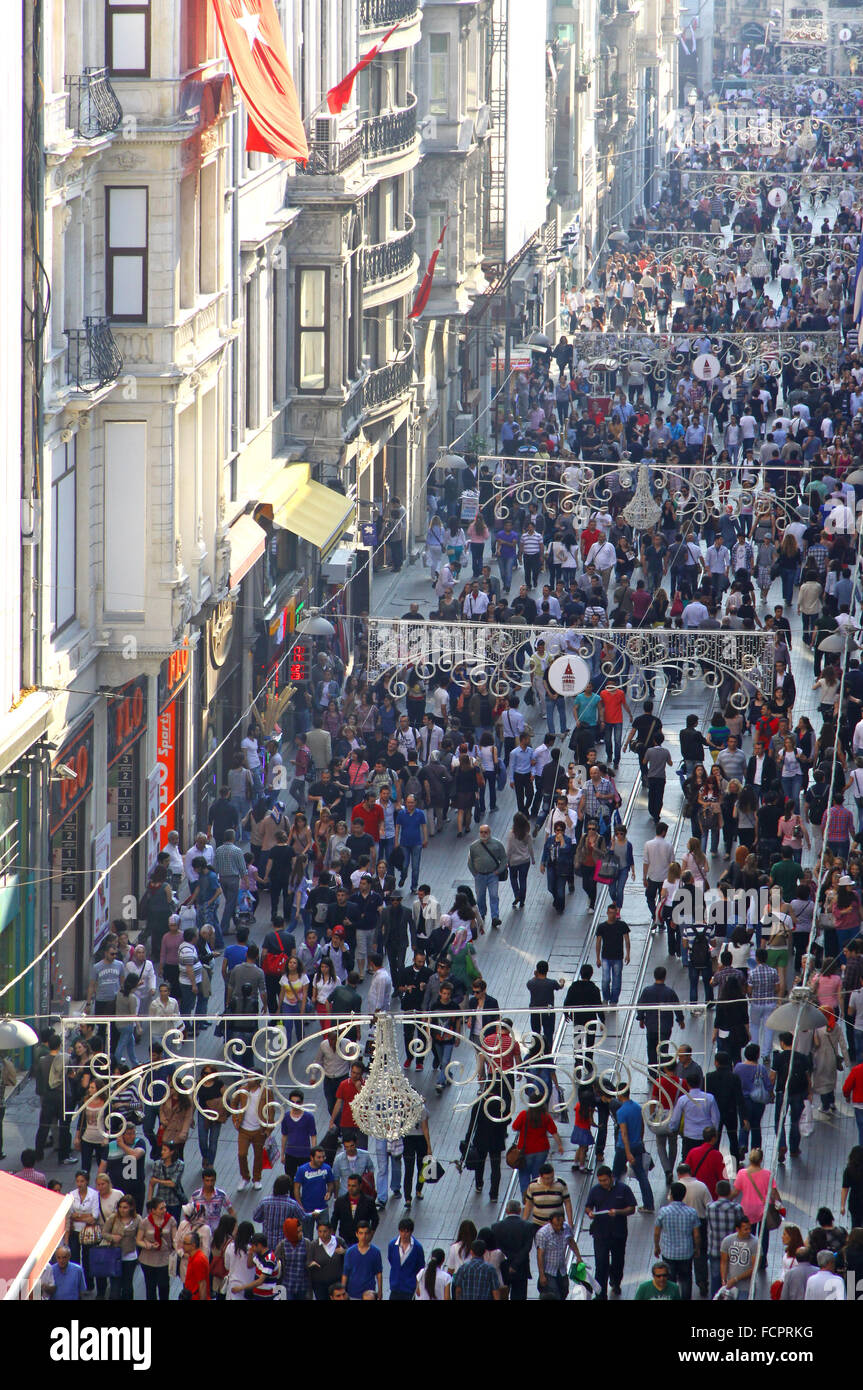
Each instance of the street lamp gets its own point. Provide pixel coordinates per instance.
(14, 1033)
(316, 625)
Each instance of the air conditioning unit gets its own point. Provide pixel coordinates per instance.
(339, 567)
(327, 129)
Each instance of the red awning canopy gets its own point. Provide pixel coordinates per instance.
(32, 1222)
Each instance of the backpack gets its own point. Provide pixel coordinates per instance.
(817, 803)
(275, 961)
(699, 951)
(413, 787)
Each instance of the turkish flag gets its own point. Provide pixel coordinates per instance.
(424, 290)
(339, 96)
(253, 39)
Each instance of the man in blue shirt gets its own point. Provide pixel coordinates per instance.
(412, 836)
(521, 765)
(64, 1280)
(508, 541)
(629, 1146)
(363, 1275)
(406, 1260)
(314, 1185)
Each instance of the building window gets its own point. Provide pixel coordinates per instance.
(196, 34)
(253, 353)
(63, 535)
(312, 330)
(436, 220)
(127, 38)
(438, 74)
(126, 250)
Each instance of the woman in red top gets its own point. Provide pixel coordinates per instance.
(534, 1128)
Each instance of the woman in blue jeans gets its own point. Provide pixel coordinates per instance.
(534, 1129)
(293, 994)
(621, 848)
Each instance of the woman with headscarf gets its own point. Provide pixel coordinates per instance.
(292, 1254)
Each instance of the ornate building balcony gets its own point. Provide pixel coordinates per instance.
(93, 106)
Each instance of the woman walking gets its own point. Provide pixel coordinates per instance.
(519, 856)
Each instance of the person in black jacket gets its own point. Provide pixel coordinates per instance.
(515, 1238)
(585, 1000)
(658, 1023)
(768, 770)
(692, 744)
(352, 1207)
(410, 988)
(724, 1085)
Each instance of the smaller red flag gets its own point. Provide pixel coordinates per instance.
(339, 96)
(424, 290)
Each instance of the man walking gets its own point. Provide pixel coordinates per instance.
(411, 829)
(612, 952)
(676, 1237)
(515, 1236)
(486, 859)
(521, 764)
(658, 854)
(656, 759)
(610, 1203)
(230, 864)
(658, 1022)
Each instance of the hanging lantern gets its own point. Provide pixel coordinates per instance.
(387, 1107)
(759, 266)
(806, 140)
(643, 511)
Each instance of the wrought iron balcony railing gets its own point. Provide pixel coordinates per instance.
(386, 383)
(92, 356)
(389, 259)
(93, 106)
(334, 156)
(390, 132)
(375, 13)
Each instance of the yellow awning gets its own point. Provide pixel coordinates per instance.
(316, 513)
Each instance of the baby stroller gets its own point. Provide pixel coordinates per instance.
(245, 907)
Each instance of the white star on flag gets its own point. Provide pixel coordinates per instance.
(250, 23)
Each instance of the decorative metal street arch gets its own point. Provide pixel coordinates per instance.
(499, 655)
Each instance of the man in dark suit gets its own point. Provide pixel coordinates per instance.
(352, 1207)
(763, 763)
(515, 1238)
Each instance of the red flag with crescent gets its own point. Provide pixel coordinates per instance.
(256, 49)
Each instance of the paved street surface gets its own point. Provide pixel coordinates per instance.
(507, 959)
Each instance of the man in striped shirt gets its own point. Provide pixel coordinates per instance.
(531, 553)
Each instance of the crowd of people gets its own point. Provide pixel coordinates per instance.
(329, 831)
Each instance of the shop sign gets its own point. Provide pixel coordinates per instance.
(174, 674)
(102, 900)
(153, 845)
(68, 791)
(166, 764)
(127, 717)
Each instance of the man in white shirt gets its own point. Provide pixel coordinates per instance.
(603, 555)
(476, 604)
(511, 724)
(201, 849)
(658, 854)
(175, 858)
(381, 988)
(694, 614)
(718, 561)
(826, 1286)
(748, 428)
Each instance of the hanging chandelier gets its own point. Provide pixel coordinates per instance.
(643, 511)
(387, 1107)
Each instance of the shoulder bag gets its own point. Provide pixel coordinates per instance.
(515, 1154)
